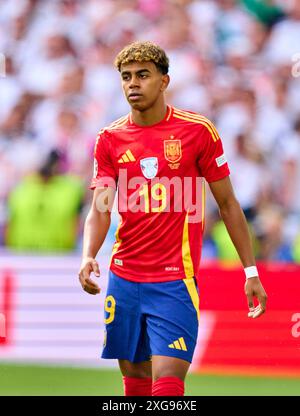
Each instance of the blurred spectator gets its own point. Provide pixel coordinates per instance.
(268, 12)
(249, 175)
(10, 91)
(44, 210)
(284, 38)
(296, 249)
(290, 152)
(225, 248)
(268, 227)
(55, 57)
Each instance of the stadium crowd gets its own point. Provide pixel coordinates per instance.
(236, 62)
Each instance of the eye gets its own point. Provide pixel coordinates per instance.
(125, 77)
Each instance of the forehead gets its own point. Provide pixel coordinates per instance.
(138, 66)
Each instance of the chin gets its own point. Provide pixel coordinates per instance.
(139, 106)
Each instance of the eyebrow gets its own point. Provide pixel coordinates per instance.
(137, 72)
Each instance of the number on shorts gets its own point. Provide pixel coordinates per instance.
(110, 307)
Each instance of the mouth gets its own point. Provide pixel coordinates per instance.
(134, 96)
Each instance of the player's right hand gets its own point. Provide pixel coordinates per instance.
(89, 265)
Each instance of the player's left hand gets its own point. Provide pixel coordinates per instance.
(254, 289)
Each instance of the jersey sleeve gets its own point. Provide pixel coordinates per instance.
(212, 162)
(105, 174)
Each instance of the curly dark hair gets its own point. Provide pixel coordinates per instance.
(143, 52)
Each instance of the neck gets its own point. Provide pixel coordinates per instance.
(150, 116)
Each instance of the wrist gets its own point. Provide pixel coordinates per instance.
(251, 272)
(87, 258)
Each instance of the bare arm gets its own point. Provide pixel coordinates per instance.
(237, 228)
(95, 230)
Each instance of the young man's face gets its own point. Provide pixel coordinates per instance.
(143, 84)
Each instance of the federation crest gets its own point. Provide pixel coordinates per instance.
(149, 166)
(173, 151)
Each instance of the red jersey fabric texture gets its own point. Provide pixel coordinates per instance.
(160, 172)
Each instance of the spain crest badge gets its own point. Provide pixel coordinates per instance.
(173, 152)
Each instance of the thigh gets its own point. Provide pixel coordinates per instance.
(163, 366)
(172, 312)
(125, 328)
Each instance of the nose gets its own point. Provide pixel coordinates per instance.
(133, 82)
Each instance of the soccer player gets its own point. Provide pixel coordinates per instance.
(157, 157)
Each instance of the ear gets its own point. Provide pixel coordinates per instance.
(165, 82)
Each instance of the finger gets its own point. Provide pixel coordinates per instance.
(83, 277)
(250, 301)
(85, 273)
(91, 291)
(258, 312)
(254, 310)
(90, 287)
(262, 298)
(89, 282)
(96, 268)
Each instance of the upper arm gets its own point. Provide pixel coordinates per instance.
(103, 199)
(211, 160)
(104, 170)
(223, 192)
(105, 176)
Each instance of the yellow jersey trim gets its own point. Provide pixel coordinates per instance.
(191, 287)
(169, 112)
(205, 123)
(198, 117)
(117, 126)
(114, 124)
(203, 203)
(117, 243)
(186, 251)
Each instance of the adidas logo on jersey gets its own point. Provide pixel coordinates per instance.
(127, 157)
(179, 344)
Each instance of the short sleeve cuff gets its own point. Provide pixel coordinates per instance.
(221, 175)
(106, 182)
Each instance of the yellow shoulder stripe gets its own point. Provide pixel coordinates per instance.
(198, 118)
(116, 126)
(214, 137)
(120, 120)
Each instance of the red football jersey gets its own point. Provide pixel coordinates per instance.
(159, 171)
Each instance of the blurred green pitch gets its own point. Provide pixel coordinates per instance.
(57, 381)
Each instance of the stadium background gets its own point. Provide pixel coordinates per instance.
(237, 62)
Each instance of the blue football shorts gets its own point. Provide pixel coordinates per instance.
(146, 319)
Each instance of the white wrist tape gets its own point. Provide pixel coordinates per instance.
(251, 272)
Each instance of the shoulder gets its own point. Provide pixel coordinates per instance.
(105, 135)
(190, 118)
(116, 125)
